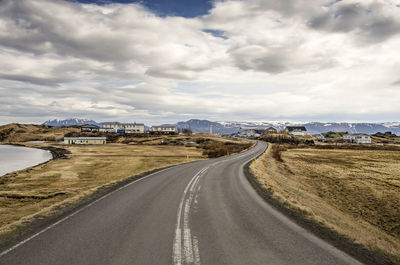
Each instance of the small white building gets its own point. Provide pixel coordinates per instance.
(296, 130)
(271, 130)
(190, 144)
(359, 138)
(164, 129)
(90, 128)
(251, 131)
(320, 137)
(85, 140)
(122, 127)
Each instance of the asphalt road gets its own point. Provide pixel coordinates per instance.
(204, 212)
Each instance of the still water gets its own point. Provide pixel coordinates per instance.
(17, 157)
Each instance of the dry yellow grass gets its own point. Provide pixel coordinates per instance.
(30, 132)
(42, 189)
(354, 192)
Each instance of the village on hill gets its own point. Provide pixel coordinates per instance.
(244, 132)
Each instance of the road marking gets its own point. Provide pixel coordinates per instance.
(190, 252)
(196, 251)
(78, 211)
(177, 255)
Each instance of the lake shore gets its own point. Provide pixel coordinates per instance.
(14, 157)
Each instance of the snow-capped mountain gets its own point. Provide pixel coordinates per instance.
(205, 126)
(70, 122)
(369, 128)
(321, 127)
(280, 125)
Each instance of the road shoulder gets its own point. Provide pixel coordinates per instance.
(339, 241)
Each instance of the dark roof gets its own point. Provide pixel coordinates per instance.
(90, 126)
(110, 122)
(293, 128)
(116, 122)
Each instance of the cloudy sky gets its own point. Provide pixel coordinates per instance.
(165, 61)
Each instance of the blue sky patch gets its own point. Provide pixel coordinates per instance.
(331, 3)
(182, 8)
(216, 33)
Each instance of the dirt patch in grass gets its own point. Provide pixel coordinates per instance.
(353, 192)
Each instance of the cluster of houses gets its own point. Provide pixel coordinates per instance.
(358, 138)
(254, 132)
(246, 132)
(129, 128)
(117, 127)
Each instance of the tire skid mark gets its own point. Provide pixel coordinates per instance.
(186, 246)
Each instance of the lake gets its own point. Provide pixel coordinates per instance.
(17, 157)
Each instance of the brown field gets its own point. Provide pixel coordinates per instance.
(354, 192)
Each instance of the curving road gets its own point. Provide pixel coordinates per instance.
(204, 212)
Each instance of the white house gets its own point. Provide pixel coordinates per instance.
(296, 130)
(271, 130)
(85, 140)
(359, 138)
(164, 129)
(122, 127)
(90, 128)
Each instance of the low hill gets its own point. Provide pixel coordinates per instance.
(15, 132)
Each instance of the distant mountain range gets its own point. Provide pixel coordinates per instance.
(205, 126)
(70, 122)
(229, 127)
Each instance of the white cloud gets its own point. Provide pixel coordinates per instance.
(269, 60)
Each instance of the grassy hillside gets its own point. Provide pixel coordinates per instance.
(354, 192)
(284, 138)
(29, 132)
(385, 138)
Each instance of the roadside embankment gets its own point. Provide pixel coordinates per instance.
(354, 193)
